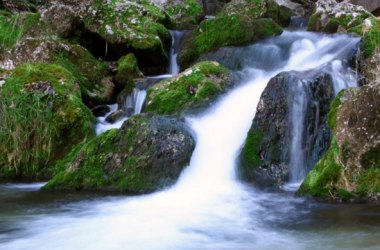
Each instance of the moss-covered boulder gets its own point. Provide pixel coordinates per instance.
(266, 156)
(21, 5)
(146, 154)
(41, 117)
(331, 16)
(90, 72)
(184, 14)
(127, 70)
(192, 88)
(221, 31)
(116, 28)
(350, 169)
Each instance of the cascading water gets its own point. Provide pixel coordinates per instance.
(208, 208)
(177, 36)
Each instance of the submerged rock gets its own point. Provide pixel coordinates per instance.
(350, 169)
(266, 154)
(41, 117)
(146, 154)
(195, 87)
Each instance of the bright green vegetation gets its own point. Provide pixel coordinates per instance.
(194, 87)
(334, 106)
(42, 116)
(183, 12)
(326, 173)
(13, 27)
(251, 150)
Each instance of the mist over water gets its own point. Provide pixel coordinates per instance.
(208, 208)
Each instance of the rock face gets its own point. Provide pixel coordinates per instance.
(266, 154)
(350, 169)
(146, 154)
(331, 16)
(41, 118)
(193, 88)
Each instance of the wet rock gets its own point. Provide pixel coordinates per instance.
(115, 116)
(350, 169)
(127, 70)
(193, 88)
(100, 110)
(266, 154)
(146, 154)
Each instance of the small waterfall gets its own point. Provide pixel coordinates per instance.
(134, 102)
(177, 37)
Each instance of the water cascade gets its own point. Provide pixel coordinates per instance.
(177, 36)
(208, 208)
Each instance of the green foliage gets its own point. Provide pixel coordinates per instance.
(334, 106)
(371, 38)
(13, 27)
(41, 117)
(251, 149)
(187, 11)
(192, 88)
(369, 182)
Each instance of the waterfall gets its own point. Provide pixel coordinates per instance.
(208, 208)
(134, 102)
(177, 37)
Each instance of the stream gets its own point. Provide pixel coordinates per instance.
(209, 207)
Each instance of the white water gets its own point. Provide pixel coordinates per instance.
(177, 36)
(208, 208)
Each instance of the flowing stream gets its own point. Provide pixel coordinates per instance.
(208, 208)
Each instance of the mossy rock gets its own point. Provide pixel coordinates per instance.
(184, 14)
(225, 30)
(21, 5)
(370, 30)
(146, 154)
(13, 27)
(90, 72)
(116, 28)
(42, 117)
(351, 167)
(127, 70)
(330, 15)
(193, 88)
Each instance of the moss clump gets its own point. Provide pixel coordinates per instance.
(42, 116)
(127, 70)
(13, 27)
(334, 107)
(192, 88)
(251, 149)
(326, 173)
(371, 36)
(225, 30)
(369, 182)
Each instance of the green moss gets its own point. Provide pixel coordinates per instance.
(12, 28)
(192, 88)
(371, 38)
(42, 116)
(251, 149)
(334, 106)
(187, 11)
(369, 182)
(127, 70)
(326, 173)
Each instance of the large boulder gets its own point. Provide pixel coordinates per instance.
(266, 155)
(116, 28)
(193, 88)
(91, 73)
(350, 169)
(185, 14)
(331, 16)
(42, 117)
(146, 154)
